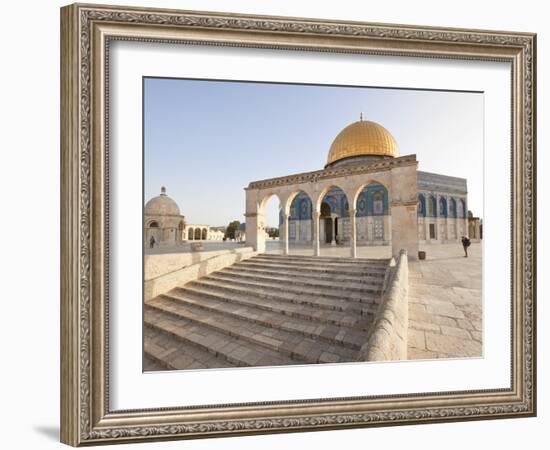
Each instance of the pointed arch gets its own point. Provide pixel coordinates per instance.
(265, 199)
(300, 206)
(331, 194)
(372, 200)
(300, 217)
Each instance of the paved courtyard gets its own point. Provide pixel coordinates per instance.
(445, 303)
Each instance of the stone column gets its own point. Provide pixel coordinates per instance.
(316, 232)
(286, 234)
(353, 234)
(333, 224)
(255, 236)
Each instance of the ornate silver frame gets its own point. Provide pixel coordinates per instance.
(86, 31)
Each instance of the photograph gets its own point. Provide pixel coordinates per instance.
(283, 223)
(296, 224)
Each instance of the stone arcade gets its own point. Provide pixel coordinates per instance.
(366, 195)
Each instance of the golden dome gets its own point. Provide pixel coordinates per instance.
(362, 138)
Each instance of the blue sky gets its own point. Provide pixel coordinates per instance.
(206, 140)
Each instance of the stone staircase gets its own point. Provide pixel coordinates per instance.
(265, 311)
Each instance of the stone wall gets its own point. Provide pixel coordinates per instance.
(388, 338)
(164, 272)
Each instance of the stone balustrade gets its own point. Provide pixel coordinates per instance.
(388, 337)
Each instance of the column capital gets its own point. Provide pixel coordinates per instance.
(352, 211)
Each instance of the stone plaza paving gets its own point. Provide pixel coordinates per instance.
(445, 303)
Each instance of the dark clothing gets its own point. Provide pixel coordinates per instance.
(465, 244)
(152, 241)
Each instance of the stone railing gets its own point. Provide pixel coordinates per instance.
(388, 336)
(164, 272)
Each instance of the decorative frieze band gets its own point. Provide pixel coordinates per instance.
(311, 177)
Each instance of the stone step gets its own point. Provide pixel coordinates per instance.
(215, 340)
(278, 288)
(300, 273)
(237, 290)
(354, 318)
(314, 269)
(169, 352)
(305, 282)
(332, 334)
(276, 334)
(324, 259)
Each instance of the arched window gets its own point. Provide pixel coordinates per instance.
(452, 208)
(190, 234)
(463, 205)
(377, 203)
(442, 207)
(432, 206)
(204, 234)
(197, 234)
(421, 205)
(153, 224)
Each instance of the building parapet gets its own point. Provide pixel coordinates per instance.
(428, 181)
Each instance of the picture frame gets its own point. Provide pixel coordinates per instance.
(87, 31)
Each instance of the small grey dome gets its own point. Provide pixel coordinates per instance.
(162, 205)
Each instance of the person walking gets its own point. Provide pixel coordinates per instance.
(465, 244)
(152, 241)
